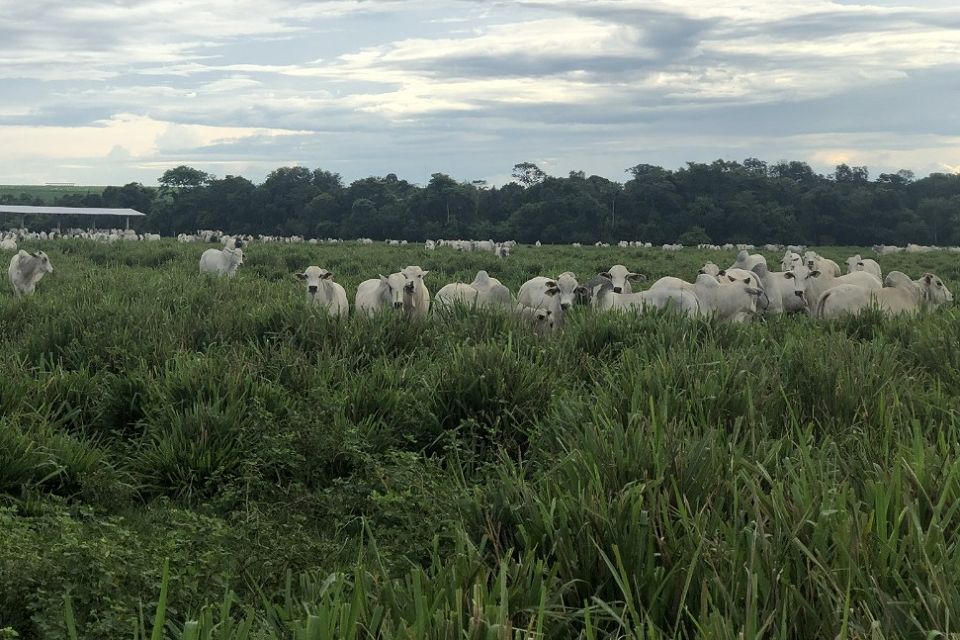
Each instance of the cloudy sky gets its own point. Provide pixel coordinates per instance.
(107, 92)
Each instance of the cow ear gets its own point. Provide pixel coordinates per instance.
(327, 275)
(552, 291)
(605, 274)
(35, 254)
(722, 272)
(550, 284)
(424, 273)
(815, 273)
(300, 276)
(789, 275)
(731, 279)
(637, 277)
(754, 291)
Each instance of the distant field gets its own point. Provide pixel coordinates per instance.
(47, 192)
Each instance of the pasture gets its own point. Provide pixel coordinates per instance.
(213, 454)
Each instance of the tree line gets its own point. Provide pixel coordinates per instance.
(723, 201)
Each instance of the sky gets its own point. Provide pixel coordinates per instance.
(109, 92)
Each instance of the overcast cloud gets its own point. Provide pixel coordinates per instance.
(119, 91)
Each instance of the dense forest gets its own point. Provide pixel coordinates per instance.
(720, 202)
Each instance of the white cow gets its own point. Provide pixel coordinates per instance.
(790, 260)
(541, 320)
(746, 261)
(856, 263)
(322, 291)
(603, 297)
(380, 294)
(416, 296)
(484, 291)
(727, 301)
(621, 277)
(535, 292)
(785, 291)
(815, 262)
(899, 295)
(710, 268)
(224, 261)
(816, 282)
(8, 244)
(26, 269)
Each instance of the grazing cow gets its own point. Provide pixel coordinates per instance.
(8, 244)
(816, 282)
(224, 261)
(536, 292)
(727, 301)
(484, 291)
(380, 294)
(899, 295)
(621, 277)
(856, 263)
(603, 297)
(26, 269)
(322, 291)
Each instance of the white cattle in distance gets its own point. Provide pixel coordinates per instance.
(899, 295)
(540, 291)
(8, 244)
(856, 263)
(484, 291)
(26, 269)
(323, 292)
(621, 277)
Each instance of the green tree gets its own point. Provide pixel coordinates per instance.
(528, 174)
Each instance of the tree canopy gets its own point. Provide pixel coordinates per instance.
(722, 201)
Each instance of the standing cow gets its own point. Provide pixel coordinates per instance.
(26, 269)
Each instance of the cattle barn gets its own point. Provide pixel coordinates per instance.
(72, 211)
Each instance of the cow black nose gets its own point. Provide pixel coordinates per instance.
(565, 306)
(397, 305)
(312, 288)
(618, 289)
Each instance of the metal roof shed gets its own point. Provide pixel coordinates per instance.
(72, 211)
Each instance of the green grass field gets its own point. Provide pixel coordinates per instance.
(47, 193)
(631, 477)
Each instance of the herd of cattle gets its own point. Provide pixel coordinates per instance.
(805, 283)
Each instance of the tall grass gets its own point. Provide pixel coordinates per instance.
(630, 477)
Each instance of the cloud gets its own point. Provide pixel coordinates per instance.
(469, 88)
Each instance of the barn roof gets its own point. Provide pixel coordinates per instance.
(69, 211)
